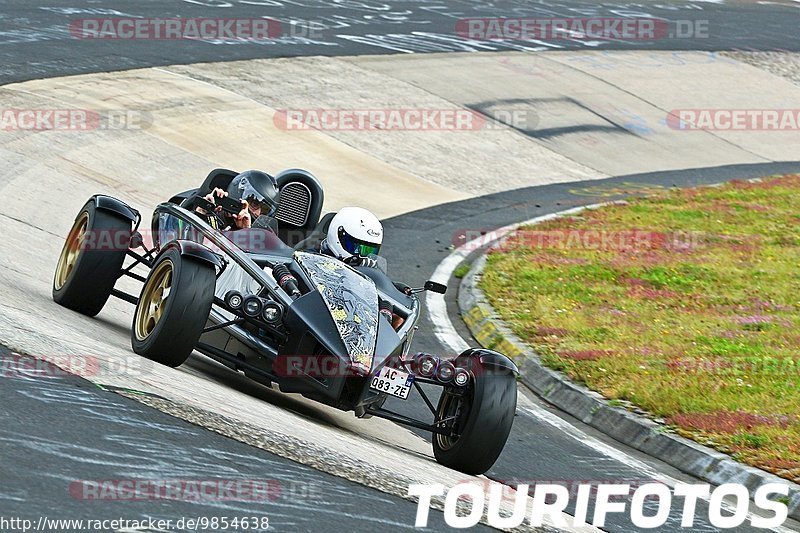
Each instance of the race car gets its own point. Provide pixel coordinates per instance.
(259, 302)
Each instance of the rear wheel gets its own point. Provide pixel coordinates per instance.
(173, 308)
(91, 260)
(483, 417)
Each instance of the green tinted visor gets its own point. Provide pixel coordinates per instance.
(357, 246)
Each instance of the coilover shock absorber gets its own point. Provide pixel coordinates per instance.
(286, 280)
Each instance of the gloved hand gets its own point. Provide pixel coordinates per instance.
(357, 260)
(368, 262)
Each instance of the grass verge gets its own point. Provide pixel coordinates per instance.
(686, 304)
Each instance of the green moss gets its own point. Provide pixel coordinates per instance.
(462, 270)
(721, 287)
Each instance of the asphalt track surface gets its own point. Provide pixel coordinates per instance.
(36, 41)
(32, 45)
(51, 468)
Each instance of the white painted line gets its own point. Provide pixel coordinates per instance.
(437, 307)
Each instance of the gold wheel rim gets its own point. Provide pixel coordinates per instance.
(71, 250)
(153, 300)
(447, 409)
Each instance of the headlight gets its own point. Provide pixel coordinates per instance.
(425, 365)
(461, 377)
(272, 313)
(253, 306)
(445, 371)
(234, 299)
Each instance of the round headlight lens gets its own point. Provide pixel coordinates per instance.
(253, 306)
(461, 377)
(234, 300)
(445, 371)
(272, 313)
(426, 365)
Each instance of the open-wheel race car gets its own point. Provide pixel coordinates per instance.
(260, 303)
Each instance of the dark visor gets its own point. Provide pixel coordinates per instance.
(267, 208)
(252, 196)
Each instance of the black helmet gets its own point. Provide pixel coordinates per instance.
(254, 185)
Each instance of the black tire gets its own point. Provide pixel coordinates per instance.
(484, 422)
(87, 270)
(170, 338)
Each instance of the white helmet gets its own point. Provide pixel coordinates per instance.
(354, 231)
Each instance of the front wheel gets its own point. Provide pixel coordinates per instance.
(91, 260)
(173, 308)
(483, 417)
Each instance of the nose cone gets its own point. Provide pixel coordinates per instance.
(352, 301)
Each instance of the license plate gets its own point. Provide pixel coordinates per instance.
(392, 381)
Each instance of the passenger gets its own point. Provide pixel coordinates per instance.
(258, 193)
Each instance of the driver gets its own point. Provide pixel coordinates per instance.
(354, 235)
(259, 194)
